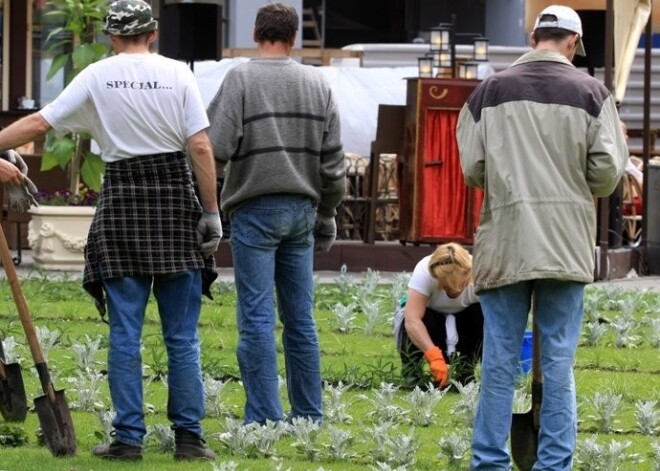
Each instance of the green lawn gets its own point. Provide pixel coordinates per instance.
(355, 363)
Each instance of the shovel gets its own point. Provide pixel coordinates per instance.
(525, 427)
(13, 401)
(52, 408)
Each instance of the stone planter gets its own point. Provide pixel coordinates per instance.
(58, 234)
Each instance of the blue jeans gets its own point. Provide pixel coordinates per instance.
(559, 310)
(179, 299)
(272, 245)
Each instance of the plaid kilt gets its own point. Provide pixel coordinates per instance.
(145, 223)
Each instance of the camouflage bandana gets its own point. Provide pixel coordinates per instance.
(129, 17)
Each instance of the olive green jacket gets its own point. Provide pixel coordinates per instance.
(542, 139)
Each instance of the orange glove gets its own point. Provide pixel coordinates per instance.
(438, 366)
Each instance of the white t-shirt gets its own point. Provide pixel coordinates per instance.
(422, 282)
(131, 104)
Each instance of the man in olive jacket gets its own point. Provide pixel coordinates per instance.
(542, 138)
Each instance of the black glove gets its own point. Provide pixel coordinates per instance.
(325, 232)
(21, 197)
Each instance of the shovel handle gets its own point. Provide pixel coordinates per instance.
(19, 299)
(46, 383)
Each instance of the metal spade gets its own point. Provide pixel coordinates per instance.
(13, 401)
(52, 408)
(525, 427)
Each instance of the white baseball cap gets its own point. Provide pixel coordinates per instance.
(564, 18)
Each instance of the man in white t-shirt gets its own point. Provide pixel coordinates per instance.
(440, 318)
(150, 231)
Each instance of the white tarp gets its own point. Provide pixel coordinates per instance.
(357, 90)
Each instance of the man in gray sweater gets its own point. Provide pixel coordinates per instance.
(275, 127)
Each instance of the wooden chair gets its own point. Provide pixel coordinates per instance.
(631, 208)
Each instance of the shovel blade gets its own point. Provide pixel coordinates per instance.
(13, 401)
(56, 424)
(524, 440)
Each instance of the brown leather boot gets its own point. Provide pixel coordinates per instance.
(118, 451)
(189, 446)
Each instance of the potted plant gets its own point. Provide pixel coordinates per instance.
(58, 227)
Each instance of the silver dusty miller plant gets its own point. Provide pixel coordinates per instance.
(306, 433)
(345, 283)
(341, 441)
(335, 407)
(383, 407)
(380, 466)
(610, 297)
(105, 418)
(592, 456)
(392, 447)
(212, 391)
(369, 284)
(656, 451)
(252, 440)
(85, 352)
(86, 387)
(591, 306)
(48, 339)
(422, 403)
(593, 332)
(648, 417)
(624, 328)
(225, 466)
(654, 323)
(344, 317)
(372, 313)
(605, 407)
(455, 448)
(160, 437)
(466, 406)
(11, 350)
(399, 287)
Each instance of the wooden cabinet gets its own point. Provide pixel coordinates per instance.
(435, 205)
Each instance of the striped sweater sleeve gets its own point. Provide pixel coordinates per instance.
(333, 167)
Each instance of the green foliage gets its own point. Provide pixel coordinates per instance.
(82, 20)
(12, 435)
(429, 429)
(78, 48)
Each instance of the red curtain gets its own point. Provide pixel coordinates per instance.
(444, 193)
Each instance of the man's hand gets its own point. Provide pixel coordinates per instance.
(325, 232)
(437, 365)
(209, 233)
(15, 158)
(20, 189)
(10, 173)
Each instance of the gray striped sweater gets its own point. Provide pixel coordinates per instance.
(275, 125)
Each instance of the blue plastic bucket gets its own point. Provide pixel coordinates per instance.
(526, 348)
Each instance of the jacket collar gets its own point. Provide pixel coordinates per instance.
(542, 55)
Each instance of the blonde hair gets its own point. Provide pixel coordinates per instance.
(451, 266)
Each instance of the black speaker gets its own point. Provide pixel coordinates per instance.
(593, 37)
(191, 31)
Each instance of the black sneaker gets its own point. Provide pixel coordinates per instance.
(189, 446)
(118, 451)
